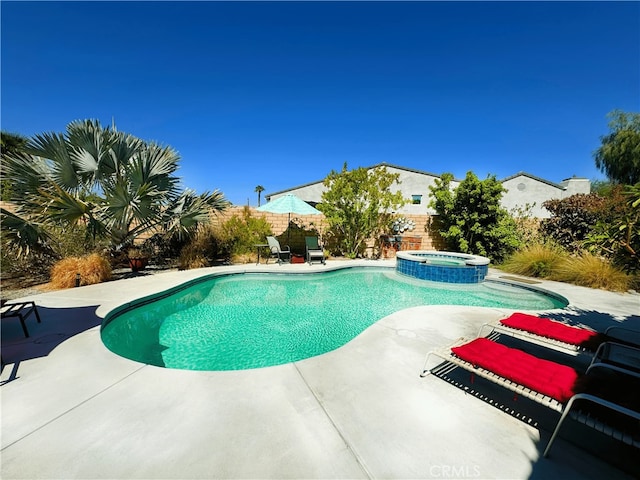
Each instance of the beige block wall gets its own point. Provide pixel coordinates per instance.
(424, 228)
(317, 223)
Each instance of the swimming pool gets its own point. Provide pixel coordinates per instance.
(253, 320)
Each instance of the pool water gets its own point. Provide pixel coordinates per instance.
(244, 321)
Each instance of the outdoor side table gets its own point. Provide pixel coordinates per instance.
(258, 247)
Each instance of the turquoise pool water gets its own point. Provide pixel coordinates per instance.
(243, 321)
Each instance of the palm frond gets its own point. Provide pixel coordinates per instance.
(26, 174)
(62, 207)
(189, 210)
(128, 212)
(22, 234)
(90, 146)
(124, 147)
(57, 153)
(155, 166)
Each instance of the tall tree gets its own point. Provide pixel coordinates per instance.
(259, 189)
(115, 184)
(470, 217)
(358, 205)
(619, 155)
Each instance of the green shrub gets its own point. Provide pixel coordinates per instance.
(76, 241)
(527, 226)
(32, 268)
(92, 269)
(357, 205)
(471, 218)
(242, 233)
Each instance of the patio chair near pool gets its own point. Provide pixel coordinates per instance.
(548, 332)
(313, 250)
(283, 255)
(604, 398)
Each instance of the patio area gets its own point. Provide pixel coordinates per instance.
(73, 409)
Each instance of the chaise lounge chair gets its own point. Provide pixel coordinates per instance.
(556, 386)
(283, 255)
(313, 250)
(549, 332)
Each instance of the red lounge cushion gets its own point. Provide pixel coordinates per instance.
(550, 378)
(549, 328)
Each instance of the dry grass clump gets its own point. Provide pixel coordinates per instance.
(92, 269)
(192, 256)
(549, 261)
(536, 260)
(206, 248)
(588, 270)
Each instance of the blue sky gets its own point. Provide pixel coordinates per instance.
(280, 93)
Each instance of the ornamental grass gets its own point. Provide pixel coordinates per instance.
(537, 260)
(193, 256)
(92, 269)
(587, 270)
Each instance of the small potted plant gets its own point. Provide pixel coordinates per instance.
(138, 259)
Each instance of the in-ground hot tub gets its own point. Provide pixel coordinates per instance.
(446, 267)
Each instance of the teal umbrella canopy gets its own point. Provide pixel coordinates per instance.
(289, 203)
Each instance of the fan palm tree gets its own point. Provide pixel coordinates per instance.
(117, 185)
(259, 189)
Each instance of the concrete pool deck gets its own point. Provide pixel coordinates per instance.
(73, 409)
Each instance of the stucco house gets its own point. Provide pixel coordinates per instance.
(524, 191)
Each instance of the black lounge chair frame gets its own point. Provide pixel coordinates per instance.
(21, 310)
(571, 408)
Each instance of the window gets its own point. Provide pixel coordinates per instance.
(416, 199)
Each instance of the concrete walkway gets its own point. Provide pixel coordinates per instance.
(73, 409)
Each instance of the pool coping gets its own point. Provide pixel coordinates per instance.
(418, 256)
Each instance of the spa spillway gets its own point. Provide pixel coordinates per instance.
(446, 267)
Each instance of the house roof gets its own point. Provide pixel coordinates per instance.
(381, 164)
(533, 177)
(421, 172)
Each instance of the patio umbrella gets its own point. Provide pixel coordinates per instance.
(289, 203)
